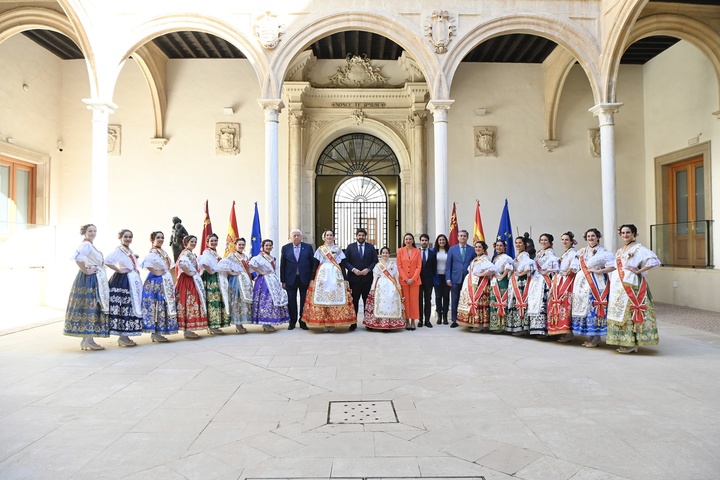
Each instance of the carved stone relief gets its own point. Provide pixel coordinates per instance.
(358, 73)
(268, 30)
(358, 116)
(439, 29)
(485, 141)
(316, 125)
(594, 141)
(113, 140)
(411, 68)
(227, 138)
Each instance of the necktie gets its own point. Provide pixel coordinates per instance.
(424, 256)
(362, 250)
(297, 253)
(462, 253)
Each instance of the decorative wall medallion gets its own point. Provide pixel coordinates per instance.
(358, 116)
(114, 139)
(358, 73)
(227, 138)
(440, 28)
(268, 30)
(594, 141)
(485, 139)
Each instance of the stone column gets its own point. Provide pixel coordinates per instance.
(294, 171)
(101, 111)
(272, 108)
(439, 109)
(606, 117)
(420, 162)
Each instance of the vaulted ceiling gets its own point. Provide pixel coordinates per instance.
(515, 48)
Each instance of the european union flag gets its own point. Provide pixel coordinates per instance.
(505, 231)
(256, 236)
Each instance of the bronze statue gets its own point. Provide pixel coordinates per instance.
(176, 239)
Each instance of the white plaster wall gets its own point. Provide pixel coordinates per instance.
(681, 92)
(547, 192)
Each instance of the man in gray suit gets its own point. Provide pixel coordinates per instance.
(458, 260)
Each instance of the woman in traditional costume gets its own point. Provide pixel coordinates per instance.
(592, 289)
(158, 294)
(499, 295)
(474, 301)
(546, 263)
(125, 291)
(89, 303)
(409, 265)
(442, 290)
(216, 287)
(516, 321)
(270, 300)
(631, 312)
(190, 291)
(239, 286)
(561, 290)
(328, 303)
(384, 309)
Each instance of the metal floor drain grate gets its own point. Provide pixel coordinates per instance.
(376, 411)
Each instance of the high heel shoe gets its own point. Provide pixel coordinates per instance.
(268, 328)
(191, 335)
(215, 331)
(156, 337)
(82, 344)
(594, 342)
(627, 349)
(124, 341)
(91, 345)
(240, 329)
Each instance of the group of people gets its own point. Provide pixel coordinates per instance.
(590, 292)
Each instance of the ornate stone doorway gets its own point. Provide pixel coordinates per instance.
(357, 185)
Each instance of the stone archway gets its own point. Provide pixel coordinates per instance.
(358, 186)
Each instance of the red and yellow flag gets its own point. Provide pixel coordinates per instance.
(232, 233)
(478, 233)
(453, 236)
(207, 229)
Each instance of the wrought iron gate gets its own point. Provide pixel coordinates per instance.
(361, 202)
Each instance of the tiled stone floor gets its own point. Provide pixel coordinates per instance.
(256, 406)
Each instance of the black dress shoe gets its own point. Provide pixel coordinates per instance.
(453, 325)
(353, 326)
(303, 325)
(427, 324)
(445, 321)
(439, 322)
(291, 327)
(420, 323)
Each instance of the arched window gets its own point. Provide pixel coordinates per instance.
(361, 202)
(358, 154)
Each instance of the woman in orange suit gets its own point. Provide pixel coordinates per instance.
(409, 265)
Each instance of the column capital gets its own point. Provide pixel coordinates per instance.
(419, 117)
(439, 109)
(606, 112)
(272, 107)
(100, 106)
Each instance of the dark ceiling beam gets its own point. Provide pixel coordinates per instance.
(207, 41)
(193, 39)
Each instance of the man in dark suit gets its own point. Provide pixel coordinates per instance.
(360, 259)
(297, 267)
(427, 275)
(458, 260)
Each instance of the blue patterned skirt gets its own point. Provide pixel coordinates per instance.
(591, 325)
(240, 312)
(84, 316)
(264, 312)
(156, 318)
(122, 318)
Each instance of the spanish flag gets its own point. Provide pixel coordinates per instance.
(478, 234)
(207, 229)
(232, 233)
(453, 236)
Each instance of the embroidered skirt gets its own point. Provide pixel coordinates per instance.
(481, 317)
(316, 315)
(539, 322)
(156, 318)
(122, 316)
(84, 316)
(240, 311)
(371, 321)
(497, 322)
(514, 322)
(629, 334)
(214, 302)
(264, 311)
(187, 300)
